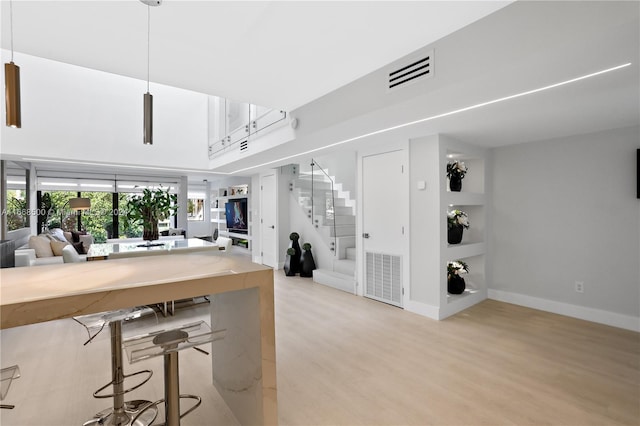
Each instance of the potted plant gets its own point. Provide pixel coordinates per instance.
(457, 221)
(149, 208)
(455, 282)
(455, 172)
(295, 260)
(307, 264)
(288, 271)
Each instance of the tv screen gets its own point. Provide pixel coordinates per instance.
(236, 215)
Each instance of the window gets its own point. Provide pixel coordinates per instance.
(17, 208)
(195, 209)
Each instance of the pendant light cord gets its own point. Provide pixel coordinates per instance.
(148, 42)
(11, 25)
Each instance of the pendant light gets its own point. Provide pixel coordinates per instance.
(147, 138)
(12, 84)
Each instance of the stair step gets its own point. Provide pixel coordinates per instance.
(306, 184)
(335, 279)
(342, 230)
(351, 253)
(345, 266)
(340, 220)
(343, 211)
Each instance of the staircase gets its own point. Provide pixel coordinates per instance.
(325, 208)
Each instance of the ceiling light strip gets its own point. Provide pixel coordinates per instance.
(434, 117)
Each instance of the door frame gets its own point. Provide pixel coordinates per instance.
(393, 145)
(273, 203)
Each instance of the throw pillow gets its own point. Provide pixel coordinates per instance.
(86, 240)
(57, 246)
(68, 236)
(76, 235)
(41, 245)
(57, 234)
(79, 247)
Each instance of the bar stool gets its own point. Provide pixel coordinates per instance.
(7, 375)
(121, 413)
(168, 343)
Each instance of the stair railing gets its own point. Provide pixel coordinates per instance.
(327, 202)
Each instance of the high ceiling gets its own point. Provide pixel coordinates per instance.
(279, 54)
(293, 54)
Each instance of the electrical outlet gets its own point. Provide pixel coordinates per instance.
(579, 287)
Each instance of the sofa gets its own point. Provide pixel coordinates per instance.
(46, 248)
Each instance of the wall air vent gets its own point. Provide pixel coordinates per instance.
(383, 278)
(411, 71)
(244, 145)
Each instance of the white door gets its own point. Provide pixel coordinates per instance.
(383, 213)
(268, 231)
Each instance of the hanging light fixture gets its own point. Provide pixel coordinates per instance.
(12, 84)
(148, 97)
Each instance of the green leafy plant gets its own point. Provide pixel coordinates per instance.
(306, 246)
(294, 236)
(457, 218)
(291, 251)
(152, 206)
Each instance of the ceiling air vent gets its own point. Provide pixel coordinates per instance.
(414, 70)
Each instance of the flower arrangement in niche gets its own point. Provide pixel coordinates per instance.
(455, 282)
(456, 268)
(455, 172)
(457, 221)
(457, 218)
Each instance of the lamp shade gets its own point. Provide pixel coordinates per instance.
(12, 94)
(79, 203)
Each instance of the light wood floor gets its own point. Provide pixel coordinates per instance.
(347, 360)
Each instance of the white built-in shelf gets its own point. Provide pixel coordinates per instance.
(236, 235)
(464, 198)
(462, 250)
(472, 199)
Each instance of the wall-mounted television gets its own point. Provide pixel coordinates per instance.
(236, 214)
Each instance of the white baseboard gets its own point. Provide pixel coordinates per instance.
(589, 314)
(423, 309)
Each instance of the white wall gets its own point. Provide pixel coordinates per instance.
(200, 227)
(75, 113)
(565, 210)
(425, 239)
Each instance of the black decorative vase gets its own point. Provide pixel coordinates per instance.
(454, 234)
(455, 183)
(456, 284)
(287, 267)
(295, 259)
(307, 264)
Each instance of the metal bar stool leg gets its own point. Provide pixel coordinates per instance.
(168, 343)
(119, 416)
(171, 389)
(122, 413)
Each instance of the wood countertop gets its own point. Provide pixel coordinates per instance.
(42, 293)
